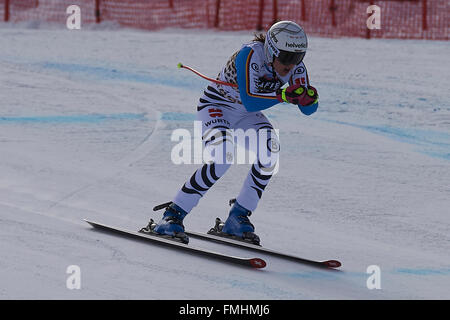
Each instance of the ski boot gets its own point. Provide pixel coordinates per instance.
(171, 225)
(237, 226)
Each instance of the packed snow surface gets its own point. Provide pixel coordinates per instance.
(86, 119)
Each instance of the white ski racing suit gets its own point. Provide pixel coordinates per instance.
(223, 109)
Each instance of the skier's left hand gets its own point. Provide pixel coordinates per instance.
(298, 94)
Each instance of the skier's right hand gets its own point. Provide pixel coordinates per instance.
(298, 94)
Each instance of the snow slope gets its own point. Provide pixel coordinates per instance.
(85, 124)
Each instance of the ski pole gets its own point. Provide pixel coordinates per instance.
(180, 65)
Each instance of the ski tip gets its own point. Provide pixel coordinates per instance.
(92, 223)
(257, 263)
(332, 263)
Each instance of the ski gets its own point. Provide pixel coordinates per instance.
(215, 234)
(332, 264)
(249, 262)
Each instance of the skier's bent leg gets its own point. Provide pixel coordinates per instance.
(256, 181)
(219, 154)
(199, 183)
(262, 170)
(220, 147)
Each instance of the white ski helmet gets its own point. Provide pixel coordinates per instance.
(287, 41)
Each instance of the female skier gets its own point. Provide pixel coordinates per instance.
(255, 78)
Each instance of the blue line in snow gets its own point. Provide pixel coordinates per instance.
(431, 143)
(363, 275)
(424, 272)
(312, 275)
(155, 77)
(96, 118)
(86, 118)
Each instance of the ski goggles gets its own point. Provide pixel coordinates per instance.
(288, 58)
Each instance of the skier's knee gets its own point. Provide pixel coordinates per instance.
(269, 153)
